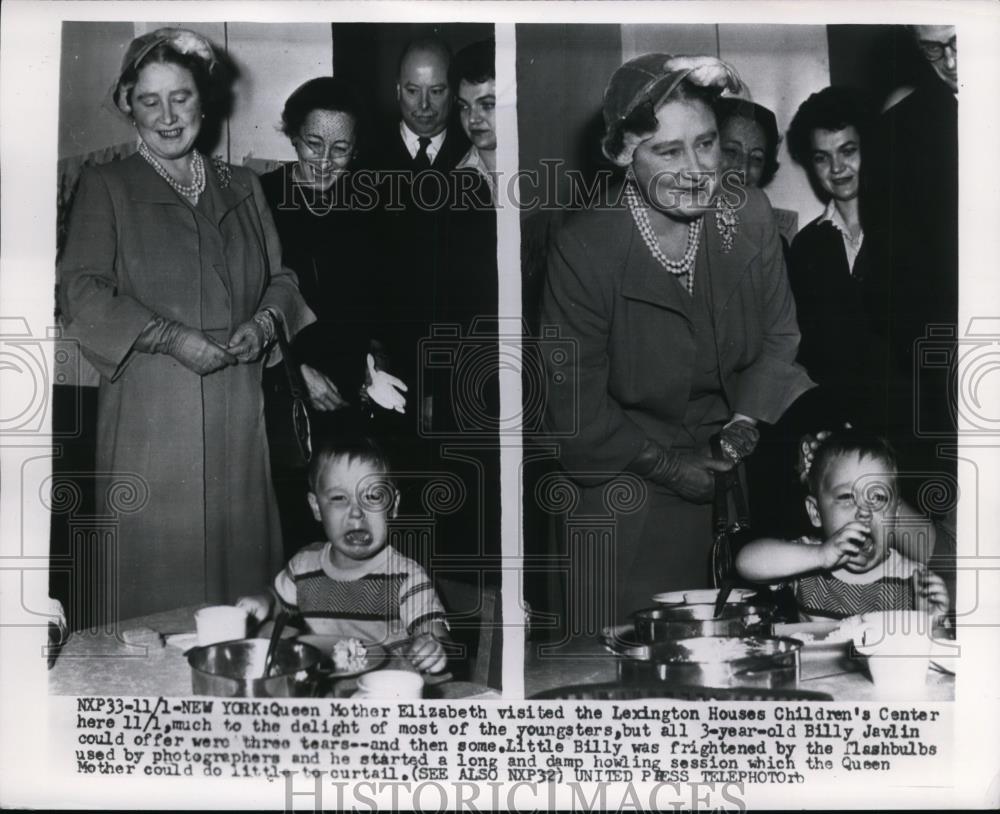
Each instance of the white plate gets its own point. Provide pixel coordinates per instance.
(816, 635)
(182, 641)
(701, 596)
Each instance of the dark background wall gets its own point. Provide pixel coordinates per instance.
(367, 55)
(561, 74)
(875, 58)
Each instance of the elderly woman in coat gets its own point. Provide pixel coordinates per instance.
(171, 281)
(677, 303)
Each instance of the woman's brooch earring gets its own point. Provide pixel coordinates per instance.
(728, 224)
(222, 171)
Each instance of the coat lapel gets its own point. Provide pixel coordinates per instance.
(646, 280)
(147, 186)
(726, 269)
(229, 197)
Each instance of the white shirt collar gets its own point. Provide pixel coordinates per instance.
(473, 160)
(852, 246)
(412, 142)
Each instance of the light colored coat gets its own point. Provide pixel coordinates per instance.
(629, 323)
(620, 348)
(202, 526)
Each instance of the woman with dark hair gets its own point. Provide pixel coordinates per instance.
(826, 137)
(324, 217)
(324, 220)
(171, 280)
(678, 308)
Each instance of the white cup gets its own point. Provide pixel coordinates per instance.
(220, 623)
(897, 645)
(390, 684)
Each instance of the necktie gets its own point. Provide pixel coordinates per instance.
(421, 161)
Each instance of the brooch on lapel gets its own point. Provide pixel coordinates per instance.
(727, 222)
(222, 171)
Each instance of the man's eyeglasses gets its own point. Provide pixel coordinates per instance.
(934, 51)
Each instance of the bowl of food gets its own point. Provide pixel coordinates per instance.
(714, 661)
(702, 596)
(235, 669)
(345, 657)
(664, 622)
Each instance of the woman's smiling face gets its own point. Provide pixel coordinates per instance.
(836, 162)
(166, 109)
(325, 145)
(676, 168)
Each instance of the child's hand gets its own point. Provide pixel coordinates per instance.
(845, 544)
(427, 654)
(930, 592)
(259, 607)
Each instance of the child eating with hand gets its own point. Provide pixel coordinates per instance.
(853, 567)
(356, 585)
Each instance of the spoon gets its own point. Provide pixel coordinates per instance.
(279, 624)
(720, 601)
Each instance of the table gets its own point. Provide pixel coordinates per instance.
(102, 663)
(585, 661)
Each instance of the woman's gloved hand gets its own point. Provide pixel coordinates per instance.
(189, 346)
(252, 338)
(323, 393)
(385, 389)
(738, 439)
(687, 473)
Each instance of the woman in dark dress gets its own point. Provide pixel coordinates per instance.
(826, 138)
(324, 218)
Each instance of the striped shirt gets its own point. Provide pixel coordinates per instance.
(383, 601)
(839, 594)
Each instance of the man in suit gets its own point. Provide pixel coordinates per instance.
(909, 210)
(426, 137)
(909, 268)
(414, 160)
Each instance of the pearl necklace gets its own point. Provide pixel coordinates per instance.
(680, 268)
(307, 190)
(197, 168)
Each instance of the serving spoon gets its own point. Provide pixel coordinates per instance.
(279, 624)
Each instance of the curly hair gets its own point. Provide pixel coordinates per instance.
(476, 63)
(832, 108)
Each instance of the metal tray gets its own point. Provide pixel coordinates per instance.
(663, 622)
(708, 661)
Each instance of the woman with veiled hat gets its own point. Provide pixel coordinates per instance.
(679, 310)
(171, 281)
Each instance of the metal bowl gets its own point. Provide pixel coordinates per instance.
(712, 661)
(667, 622)
(234, 669)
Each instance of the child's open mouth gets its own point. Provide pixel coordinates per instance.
(358, 537)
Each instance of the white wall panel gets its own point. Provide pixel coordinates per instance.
(274, 59)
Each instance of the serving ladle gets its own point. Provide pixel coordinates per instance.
(279, 624)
